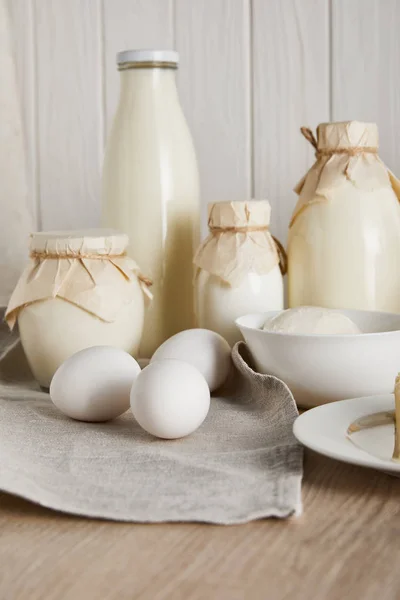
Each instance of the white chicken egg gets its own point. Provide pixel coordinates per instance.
(94, 384)
(170, 399)
(206, 350)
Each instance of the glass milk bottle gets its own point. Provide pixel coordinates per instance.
(344, 237)
(238, 267)
(150, 188)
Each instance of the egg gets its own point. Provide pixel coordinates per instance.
(170, 399)
(94, 384)
(206, 350)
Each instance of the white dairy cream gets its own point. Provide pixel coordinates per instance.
(219, 304)
(311, 320)
(345, 253)
(53, 330)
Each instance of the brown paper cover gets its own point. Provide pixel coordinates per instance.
(332, 173)
(239, 241)
(96, 275)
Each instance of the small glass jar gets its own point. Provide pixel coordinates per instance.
(238, 267)
(78, 290)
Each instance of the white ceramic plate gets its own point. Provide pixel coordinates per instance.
(324, 430)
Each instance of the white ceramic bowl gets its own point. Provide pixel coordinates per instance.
(324, 368)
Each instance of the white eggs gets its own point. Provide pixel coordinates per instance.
(170, 399)
(94, 384)
(204, 349)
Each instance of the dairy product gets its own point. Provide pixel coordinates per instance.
(238, 267)
(219, 304)
(53, 330)
(344, 241)
(150, 189)
(78, 290)
(311, 320)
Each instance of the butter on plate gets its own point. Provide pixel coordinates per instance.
(382, 418)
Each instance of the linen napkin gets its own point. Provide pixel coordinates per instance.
(242, 464)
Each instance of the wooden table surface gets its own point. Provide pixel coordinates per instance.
(346, 545)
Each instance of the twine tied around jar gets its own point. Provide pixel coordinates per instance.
(283, 261)
(352, 151)
(87, 256)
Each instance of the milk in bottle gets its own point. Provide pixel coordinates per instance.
(150, 188)
(344, 237)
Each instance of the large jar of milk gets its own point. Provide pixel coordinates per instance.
(238, 267)
(150, 188)
(344, 238)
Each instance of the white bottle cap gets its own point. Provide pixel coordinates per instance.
(148, 56)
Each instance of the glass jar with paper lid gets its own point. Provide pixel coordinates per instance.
(79, 290)
(239, 267)
(344, 237)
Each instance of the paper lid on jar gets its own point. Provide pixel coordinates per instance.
(148, 56)
(347, 134)
(347, 165)
(239, 242)
(253, 213)
(85, 242)
(88, 268)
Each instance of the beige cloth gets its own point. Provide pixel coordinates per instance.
(242, 464)
(231, 255)
(95, 276)
(340, 173)
(16, 220)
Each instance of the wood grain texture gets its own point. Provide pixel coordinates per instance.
(214, 84)
(132, 24)
(344, 546)
(69, 112)
(21, 15)
(366, 67)
(290, 88)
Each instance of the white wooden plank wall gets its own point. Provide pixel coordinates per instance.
(252, 72)
(21, 13)
(213, 38)
(131, 24)
(366, 69)
(290, 89)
